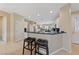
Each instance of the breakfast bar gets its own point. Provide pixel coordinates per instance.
(55, 40)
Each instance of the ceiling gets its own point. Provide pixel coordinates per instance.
(75, 7)
(37, 11)
(34, 11)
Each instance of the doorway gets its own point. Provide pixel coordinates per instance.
(0, 28)
(3, 28)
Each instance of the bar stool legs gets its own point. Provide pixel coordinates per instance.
(41, 44)
(31, 49)
(37, 45)
(29, 46)
(35, 49)
(23, 47)
(47, 51)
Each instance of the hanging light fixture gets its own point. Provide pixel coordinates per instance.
(51, 11)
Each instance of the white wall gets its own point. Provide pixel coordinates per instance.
(18, 27)
(65, 24)
(25, 26)
(4, 29)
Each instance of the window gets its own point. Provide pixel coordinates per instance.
(76, 20)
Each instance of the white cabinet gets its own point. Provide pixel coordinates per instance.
(55, 42)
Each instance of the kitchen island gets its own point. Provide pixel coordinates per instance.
(56, 41)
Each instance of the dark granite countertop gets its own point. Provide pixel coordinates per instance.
(48, 33)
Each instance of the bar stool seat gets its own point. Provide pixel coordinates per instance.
(30, 44)
(41, 43)
(29, 39)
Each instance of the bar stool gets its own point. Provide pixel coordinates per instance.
(40, 43)
(30, 44)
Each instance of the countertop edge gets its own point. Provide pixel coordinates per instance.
(47, 33)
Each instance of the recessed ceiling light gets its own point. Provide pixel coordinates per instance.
(51, 11)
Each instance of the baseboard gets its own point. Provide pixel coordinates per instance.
(56, 51)
(2, 42)
(18, 40)
(67, 50)
(75, 42)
